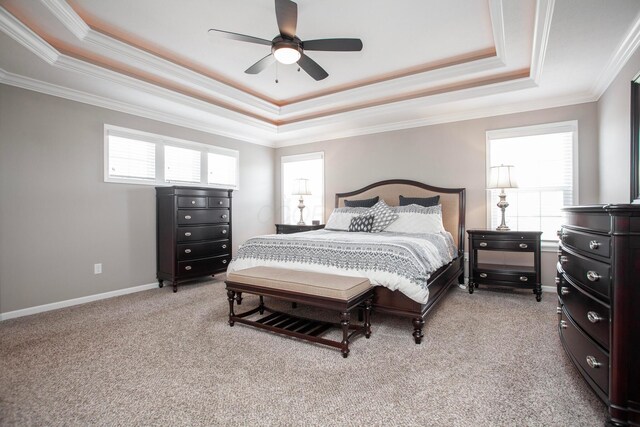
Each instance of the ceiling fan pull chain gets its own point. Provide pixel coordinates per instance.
(277, 72)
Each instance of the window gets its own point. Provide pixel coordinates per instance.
(306, 166)
(136, 157)
(544, 159)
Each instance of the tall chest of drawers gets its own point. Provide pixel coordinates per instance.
(598, 286)
(193, 232)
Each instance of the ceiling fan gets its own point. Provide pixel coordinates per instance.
(286, 48)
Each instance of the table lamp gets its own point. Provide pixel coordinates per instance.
(502, 177)
(301, 188)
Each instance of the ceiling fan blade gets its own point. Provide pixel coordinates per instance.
(261, 65)
(287, 16)
(240, 37)
(312, 68)
(334, 45)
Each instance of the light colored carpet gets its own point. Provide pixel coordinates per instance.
(158, 358)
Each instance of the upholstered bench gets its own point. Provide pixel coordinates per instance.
(341, 293)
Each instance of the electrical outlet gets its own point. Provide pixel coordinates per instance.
(97, 268)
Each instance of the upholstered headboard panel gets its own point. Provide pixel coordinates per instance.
(452, 200)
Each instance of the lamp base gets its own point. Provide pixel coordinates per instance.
(502, 204)
(301, 206)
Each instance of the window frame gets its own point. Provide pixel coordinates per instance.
(299, 158)
(533, 130)
(160, 141)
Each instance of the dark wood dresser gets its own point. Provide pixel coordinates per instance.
(598, 285)
(514, 276)
(193, 232)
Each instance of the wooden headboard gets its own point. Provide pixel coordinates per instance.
(452, 200)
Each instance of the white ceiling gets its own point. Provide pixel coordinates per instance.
(423, 61)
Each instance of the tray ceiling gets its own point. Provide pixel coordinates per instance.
(423, 61)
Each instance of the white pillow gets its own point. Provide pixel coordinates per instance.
(417, 219)
(341, 218)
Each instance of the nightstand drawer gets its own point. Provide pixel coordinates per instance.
(203, 250)
(593, 360)
(504, 245)
(202, 267)
(202, 216)
(589, 273)
(589, 313)
(219, 202)
(587, 242)
(192, 202)
(496, 274)
(191, 234)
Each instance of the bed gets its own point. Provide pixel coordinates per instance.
(391, 261)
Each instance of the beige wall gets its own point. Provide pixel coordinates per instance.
(446, 155)
(58, 217)
(614, 112)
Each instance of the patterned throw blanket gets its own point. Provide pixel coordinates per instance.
(394, 260)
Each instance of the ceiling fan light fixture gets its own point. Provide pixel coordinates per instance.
(286, 55)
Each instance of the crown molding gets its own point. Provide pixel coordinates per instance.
(544, 16)
(213, 126)
(619, 58)
(497, 24)
(68, 17)
(27, 38)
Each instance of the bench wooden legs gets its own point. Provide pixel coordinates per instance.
(344, 321)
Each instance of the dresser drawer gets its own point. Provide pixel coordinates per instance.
(192, 202)
(593, 275)
(203, 250)
(505, 245)
(202, 267)
(589, 243)
(503, 274)
(202, 216)
(191, 234)
(219, 202)
(589, 313)
(586, 353)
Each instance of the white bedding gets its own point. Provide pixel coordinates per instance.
(398, 261)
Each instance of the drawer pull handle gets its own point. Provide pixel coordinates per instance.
(594, 244)
(483, 275)
(557, 280)
(224, 216)
(224, 246)
(594, 317)
(187, 234)
(187, 251)
(593, 276)
(559, 310)
(193, 202)
(559, 233)
(524, 278)
(224, 231)
(523, 245)
(220, 202)
(593, 362)
(564, 259)
(483, 244)
(187, 217)
(559, 252)
(564, 290)
(563, 324)
(224, 261)
(188, 267)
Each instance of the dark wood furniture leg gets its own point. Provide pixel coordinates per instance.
(239, 298)
(344, 321)
(261, 306)
(231, 298)
(418, 323)
(367, 317)
(160, 283)
(175, 286)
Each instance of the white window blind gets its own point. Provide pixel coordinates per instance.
(544, 171)
(222, 169)
(181, 164)
(133, 159)
(309, 166)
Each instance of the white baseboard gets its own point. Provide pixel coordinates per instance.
(549, 289)
(75, 301)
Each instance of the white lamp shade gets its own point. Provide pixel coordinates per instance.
(502, 177)
(301, 187)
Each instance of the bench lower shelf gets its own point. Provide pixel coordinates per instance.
(302, 327)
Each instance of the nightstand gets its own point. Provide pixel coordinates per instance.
(515, 276)
(294, 228)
